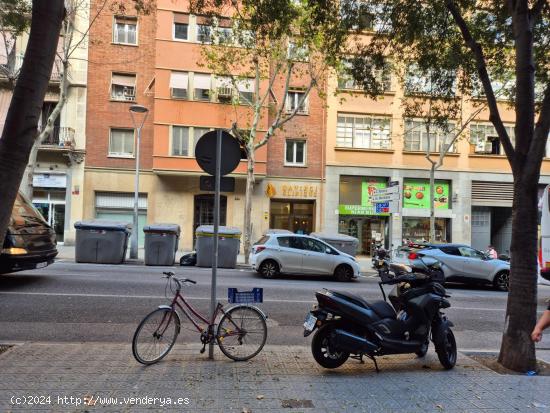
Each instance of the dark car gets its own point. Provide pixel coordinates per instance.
(30, 242)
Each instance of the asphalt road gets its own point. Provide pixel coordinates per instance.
(104, 303)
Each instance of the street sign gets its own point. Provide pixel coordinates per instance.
(384, 198)
(382, 207)
(208, 183)
(205, 152)
(394, 207)
(388, 190)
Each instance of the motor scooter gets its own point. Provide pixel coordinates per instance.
(347, 325)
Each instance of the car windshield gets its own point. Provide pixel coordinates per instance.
(262, 240)
(25, 214)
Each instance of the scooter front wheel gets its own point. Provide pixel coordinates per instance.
(446, 350)
(324, 352)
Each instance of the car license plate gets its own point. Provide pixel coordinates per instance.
(41, 264)
(310, 322)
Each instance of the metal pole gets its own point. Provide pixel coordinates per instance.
(216, 230)
(135, 229)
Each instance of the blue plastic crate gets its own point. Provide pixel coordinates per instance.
(243, 297)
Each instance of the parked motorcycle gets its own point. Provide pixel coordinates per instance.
(349, 326)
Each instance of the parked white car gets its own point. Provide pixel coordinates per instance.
(276, 254)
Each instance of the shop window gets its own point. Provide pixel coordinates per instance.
(179, 83)
(296, 101)
(350, 190)
(123, 87)
(418, 229)
(363, 131)
(202, 84)
(295, 216)
(125, 30)
(121, 142)
(295, 153)
(417, 137)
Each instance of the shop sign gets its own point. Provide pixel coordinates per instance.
(416, 194)
(49, 180)
(291, 191)
(367, 207)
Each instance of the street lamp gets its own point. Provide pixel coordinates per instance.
(139, 112)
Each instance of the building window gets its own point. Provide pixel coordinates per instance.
(418, 139)
(382, 77)
(204, 33)
(293, 100)
(181, 26)
(297, 52)
(420, 83)
(224, 89)
(123, 87)
(121, 143)
(182, 144)
(365, 132)
(246, 91)
(485, 138)
(181, 31)
(295, 152)
(125, 30)
(202, 85)
(179, 83)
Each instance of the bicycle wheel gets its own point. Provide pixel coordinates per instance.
(156, 335)
(242, 333)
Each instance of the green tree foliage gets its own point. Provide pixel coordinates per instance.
(461, 46)
(273, 44)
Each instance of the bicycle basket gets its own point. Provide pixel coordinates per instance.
(242, 297)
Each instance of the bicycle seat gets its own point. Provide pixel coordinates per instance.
(168, 273)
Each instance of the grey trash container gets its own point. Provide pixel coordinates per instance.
(161, 243)
(101, 241)
(229, 240)
(341, 242)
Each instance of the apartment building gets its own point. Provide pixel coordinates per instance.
(57, 178)
(371, 143)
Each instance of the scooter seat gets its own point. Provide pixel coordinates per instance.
(381, 308)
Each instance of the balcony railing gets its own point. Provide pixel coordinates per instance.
(61, 137)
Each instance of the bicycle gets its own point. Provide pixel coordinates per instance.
(241, 332)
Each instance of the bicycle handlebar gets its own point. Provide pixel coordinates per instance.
(170, 274)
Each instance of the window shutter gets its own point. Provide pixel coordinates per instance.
(181, 18)
(202, 81)
(179, 80)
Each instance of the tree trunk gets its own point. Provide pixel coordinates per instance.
(517, 351)
(28, 96)
(432, 204)
(26, 181)
(248, 204)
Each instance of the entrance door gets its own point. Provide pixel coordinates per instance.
(58, 221)
(204, 211)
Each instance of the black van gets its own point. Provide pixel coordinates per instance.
(30, 241)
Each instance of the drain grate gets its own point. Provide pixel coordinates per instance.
(295, 404)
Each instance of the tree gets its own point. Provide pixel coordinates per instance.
(267, 48)
(20, 128)
(480, 41)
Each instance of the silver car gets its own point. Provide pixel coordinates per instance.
(461, 263)
(275, 254)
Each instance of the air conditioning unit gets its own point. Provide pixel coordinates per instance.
(225, 92)
(484, 146)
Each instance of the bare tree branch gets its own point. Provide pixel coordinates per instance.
(494, 112)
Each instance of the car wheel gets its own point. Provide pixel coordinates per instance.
(343, 273)
(269, 269)
(501, 281)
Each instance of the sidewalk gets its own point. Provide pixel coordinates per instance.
(67, 253)
(279, 379)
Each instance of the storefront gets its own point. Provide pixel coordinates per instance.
(49, 197)
(292, 206)
(416, 207)
(358, 217)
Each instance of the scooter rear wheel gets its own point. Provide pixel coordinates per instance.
(322, 351)
(446, 351)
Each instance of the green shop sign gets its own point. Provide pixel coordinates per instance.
(416, 194)
(368, 187)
